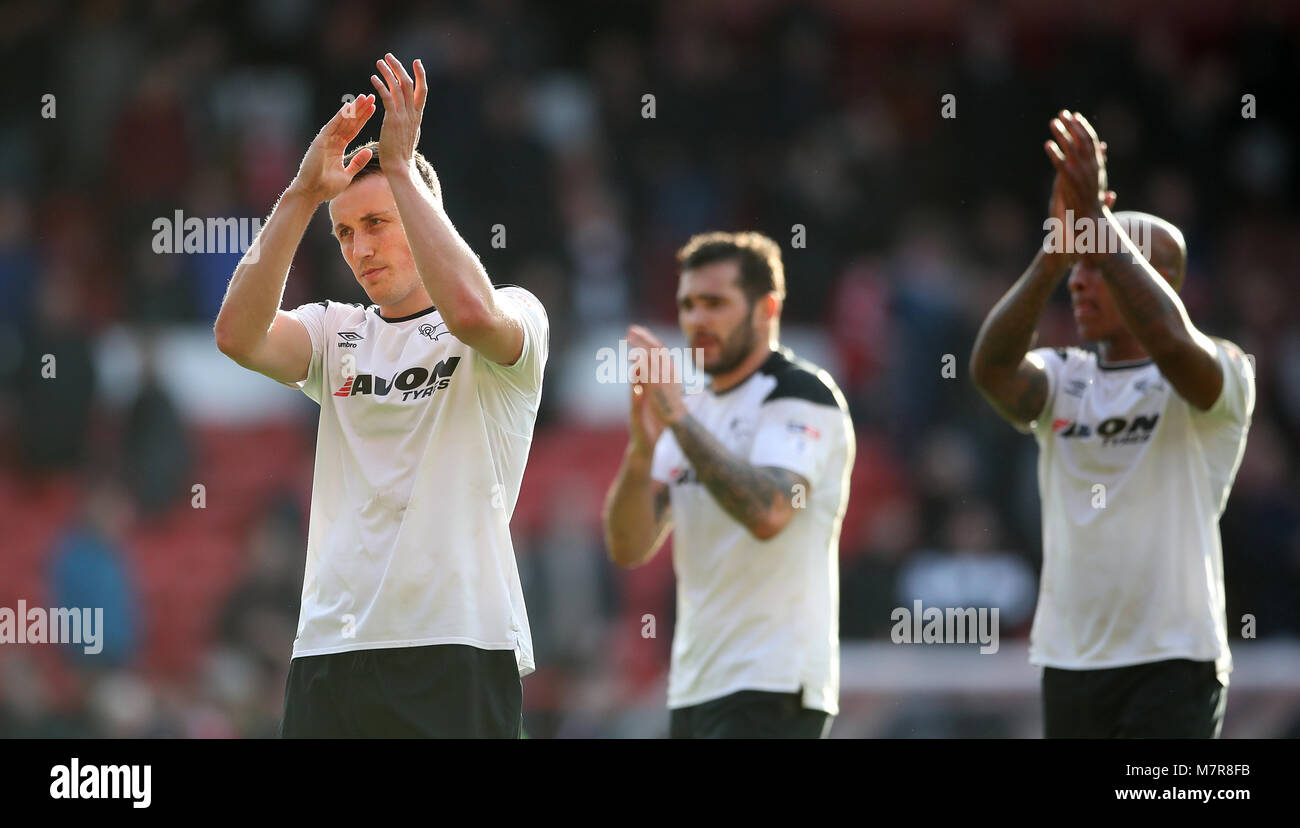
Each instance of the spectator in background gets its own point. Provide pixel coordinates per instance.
(970, 570)
(869, 580)
(255, 627)
(18, 261)
(89, 569)
(1263, 572)
(55, 380)
(27, 710)
(157, 455)
(260, 615)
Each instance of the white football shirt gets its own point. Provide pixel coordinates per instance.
(1133, 480)
(754, 614)
(419, 456)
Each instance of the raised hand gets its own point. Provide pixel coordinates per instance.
(1080, 162)
(643, 426)
(660, 387)
(321, 175)
(1056, 206)
(403, 110)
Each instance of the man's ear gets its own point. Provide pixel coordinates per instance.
(771, 306)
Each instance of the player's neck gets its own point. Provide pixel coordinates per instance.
(737, 375)
(1122, 348)
(415, 301)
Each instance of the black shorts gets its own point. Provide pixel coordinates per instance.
(750, 714)
(443, 691)
(1177, 699)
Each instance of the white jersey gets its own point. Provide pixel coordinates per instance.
(1133, 480)
(754, 614)
(419, 456)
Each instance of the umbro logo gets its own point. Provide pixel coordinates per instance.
(350, 339)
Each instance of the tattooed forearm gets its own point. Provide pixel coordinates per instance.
(1150, 307)
(1008, 331)
(1153, 312)
(749, 494)
(637, 513)
(1017, 390)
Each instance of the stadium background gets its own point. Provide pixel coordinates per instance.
(767, 115)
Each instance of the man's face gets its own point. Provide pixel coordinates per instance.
(1096, 316)
(715, 315)
(372, 240)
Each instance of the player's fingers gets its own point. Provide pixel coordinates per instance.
(421, 84)
(1109, 200)
(399, 71)
(1073, 164)
(1062, 134)
(649, 347)
(638, 358)
(1056, 156)
(383, 92)
(1086, 126)
(405, 86)
(1084, 141)
(362, 108)
(394, 88)
(643, 334)
(390, 78)
(1065, 174)
(362, 158)
(356, 107)
(637, 353)
(335, 124)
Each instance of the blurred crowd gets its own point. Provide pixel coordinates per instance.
(600, 137)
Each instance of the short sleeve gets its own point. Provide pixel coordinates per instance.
(667, 457)
(525, 375)
(1236, 402)
(797, 435)
(312, 318)
(1052, 361)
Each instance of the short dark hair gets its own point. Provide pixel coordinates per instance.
(422, 166)
(759, 257)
